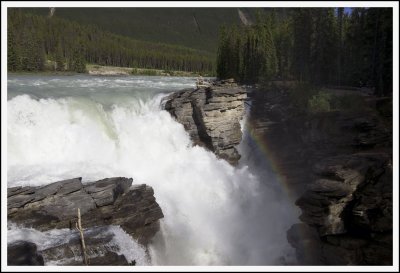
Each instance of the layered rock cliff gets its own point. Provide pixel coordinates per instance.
(212, 116)
(104, 203)
(338, 165)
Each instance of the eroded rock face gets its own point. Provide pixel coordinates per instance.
(338, 166)
(350, 207)
(211, 115)
(111, 201)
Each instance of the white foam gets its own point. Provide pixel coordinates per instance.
(129, 247)
(125, 244)
(214, 213)
(43, 240)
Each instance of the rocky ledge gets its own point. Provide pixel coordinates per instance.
(211, 115)
(104, 203)
(347, 212)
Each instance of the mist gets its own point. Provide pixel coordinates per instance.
(215, 214)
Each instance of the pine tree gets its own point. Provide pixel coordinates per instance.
(324, 46)
(302, 25)
(59, 58)
(12, 59)
(38, 55)
(77, 61)
(284, 44)
(340, 23)
(270, 69)
(222, 53)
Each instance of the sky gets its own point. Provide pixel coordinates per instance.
(347, 10)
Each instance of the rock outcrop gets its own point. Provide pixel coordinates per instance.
(212, 116)
(338, 165)
(23, 253)
(101, 248)
(111, 201)
(350, 207)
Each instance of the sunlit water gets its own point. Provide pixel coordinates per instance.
(96, 127)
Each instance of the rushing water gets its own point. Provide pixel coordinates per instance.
(96, 127)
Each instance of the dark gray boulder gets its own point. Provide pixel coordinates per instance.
(23, 253)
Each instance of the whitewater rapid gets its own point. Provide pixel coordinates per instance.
(97, 127)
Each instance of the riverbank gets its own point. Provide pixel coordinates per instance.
(118, 71)
(43, 73)
(99, 70)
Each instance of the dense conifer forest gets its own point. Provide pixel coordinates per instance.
(316, 45)
(37, 43)
(190, 27)
(322, 46)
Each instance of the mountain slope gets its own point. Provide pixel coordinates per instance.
(33, 40)
(192, 27)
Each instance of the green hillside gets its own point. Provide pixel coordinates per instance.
(192, 27)
(35, 40)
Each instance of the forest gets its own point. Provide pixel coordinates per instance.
(37, 43)
(321, 46)
(190, 27)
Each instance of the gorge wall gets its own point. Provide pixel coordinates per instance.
(338, 165)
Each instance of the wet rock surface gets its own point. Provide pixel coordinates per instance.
(111, 201)
(23, 253)
(100, 248)
(211, 116)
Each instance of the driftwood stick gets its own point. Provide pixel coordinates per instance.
(79, 228)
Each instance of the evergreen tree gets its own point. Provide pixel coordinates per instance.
(302, 25)
(59, 57)
(222, 69)
(340, 23)
(77, 61)
(284, 44)
(271, 63)
(324, 46)
(38, 56)
(37, 37)
(12, 60)
(378, 23)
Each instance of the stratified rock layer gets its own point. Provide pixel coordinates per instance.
(350, 207)
(111, 201)
(211, 115)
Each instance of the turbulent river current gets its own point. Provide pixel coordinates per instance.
(61, 127)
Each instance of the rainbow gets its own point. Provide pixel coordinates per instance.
(264, 147)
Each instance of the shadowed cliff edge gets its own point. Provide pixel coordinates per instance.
(338, 165)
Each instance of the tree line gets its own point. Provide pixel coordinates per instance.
(322, 46)
(35, 41)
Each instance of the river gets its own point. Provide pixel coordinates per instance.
(61, 127)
